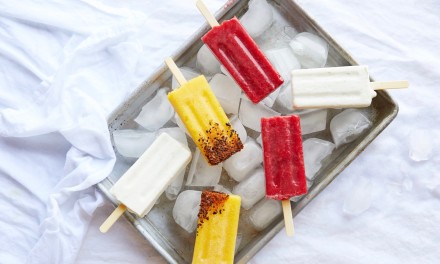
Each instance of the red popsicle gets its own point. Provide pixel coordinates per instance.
(239, 53)
(283, 161)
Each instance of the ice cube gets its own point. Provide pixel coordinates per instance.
(238, 241)
(259, 140)
(252, 189)
(207, 63)
(240, 164)
(289, 32)
(258, 18)
(238, 127)
(310, 50)
(270, 99)
(313, 121)
(295, 199)
(201, 173)
(222, 189)
(250, 114)
(358, 199)
(132, 143)
(176, 119)
(264, 212)
(348, 126)
(315, 151)
(309, 184)
(175, 186)
(284, 61)
(227, 92)
(176, 133)
(285, 97)
(421, 144)
(225, 71)
(188, 73)
(186, 209)
(273, 37)
(156, 112)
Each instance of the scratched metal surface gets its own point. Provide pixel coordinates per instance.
(158, 227)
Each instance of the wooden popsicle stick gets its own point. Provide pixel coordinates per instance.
(288, 219)
(205, 12)
(175, 71)
(112, 218)
(389, 85)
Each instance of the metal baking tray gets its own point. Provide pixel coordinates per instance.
(158, 227)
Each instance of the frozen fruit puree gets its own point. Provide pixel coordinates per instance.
(246, 63)
(283, 157)
(217, 228)
(205, 120)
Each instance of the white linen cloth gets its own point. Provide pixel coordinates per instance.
(65, 65)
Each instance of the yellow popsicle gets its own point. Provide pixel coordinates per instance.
(217, 228)
(205, 120)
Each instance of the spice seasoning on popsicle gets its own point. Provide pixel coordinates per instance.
(240, 55)
(139, 188)
(204, 118)
(217, 228)
(336, 87)
(283, 162)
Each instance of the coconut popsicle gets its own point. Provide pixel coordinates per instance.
(217, 228)
(336, 87)
(204, 118)
(139, 188)
(283, 161)
(241, 56)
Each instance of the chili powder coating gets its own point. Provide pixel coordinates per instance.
(205, 120)
(217, 228)
(211, 203)
(219, 143)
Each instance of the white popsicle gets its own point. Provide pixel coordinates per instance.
(145, 181)
(336, 87)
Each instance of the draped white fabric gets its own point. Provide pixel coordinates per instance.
(65, 65)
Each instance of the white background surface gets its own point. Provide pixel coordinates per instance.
(396, 39)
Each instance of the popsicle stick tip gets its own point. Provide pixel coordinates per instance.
(212, 21)
(288, 219)
(113, 217)
(175, 71)
(390, 85)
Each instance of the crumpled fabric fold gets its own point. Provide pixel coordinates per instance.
(60, 77)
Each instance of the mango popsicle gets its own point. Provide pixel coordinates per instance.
(241, 56)
(204, 118)
(143, 183)
(283, 161)
(217, 228)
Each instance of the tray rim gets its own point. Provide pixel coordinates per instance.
(244, 257)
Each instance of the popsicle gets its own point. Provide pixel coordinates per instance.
(240, 55)
(283, 161)
(217, 228)
(204, 118)
(336, 87)
(143, 183)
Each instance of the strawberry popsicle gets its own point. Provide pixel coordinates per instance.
(240, 55)
(283, 161)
